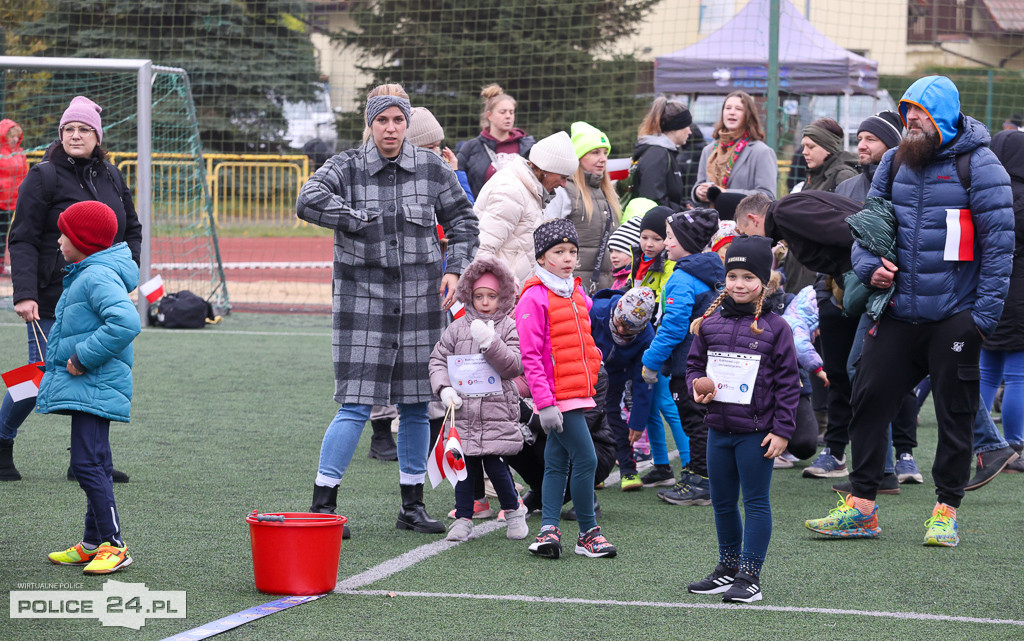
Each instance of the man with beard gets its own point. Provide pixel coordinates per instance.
(954, 249)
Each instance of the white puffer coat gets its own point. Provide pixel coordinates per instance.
(510, 207)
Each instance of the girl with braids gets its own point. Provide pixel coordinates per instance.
(737, 160)
(657, 173)
(747, 350)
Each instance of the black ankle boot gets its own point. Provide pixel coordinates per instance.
(413, 515)
(325, 501)
(382, 445)
(7, 470)
(119, 477)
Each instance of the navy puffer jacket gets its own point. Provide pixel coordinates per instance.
(929, 287)
(777, 388)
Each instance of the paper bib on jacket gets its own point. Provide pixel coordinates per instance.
(472, 375)
(734, 376)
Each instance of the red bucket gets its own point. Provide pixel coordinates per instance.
(295, 553)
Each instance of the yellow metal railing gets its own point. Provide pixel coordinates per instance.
(246, 189)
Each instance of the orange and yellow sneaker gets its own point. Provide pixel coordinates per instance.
(846, 522)
(109, 558)
(74, 555)
(942, 529)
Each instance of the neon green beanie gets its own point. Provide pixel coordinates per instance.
(586, 138)
(637, 207)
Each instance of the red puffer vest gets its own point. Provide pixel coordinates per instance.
(574, 355)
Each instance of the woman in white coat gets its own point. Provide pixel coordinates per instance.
(511, 204)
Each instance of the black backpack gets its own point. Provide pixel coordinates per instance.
(181, 310)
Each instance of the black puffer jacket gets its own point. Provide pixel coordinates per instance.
(657, 175)
(1009, 335)
(474, 158)
(37, 266)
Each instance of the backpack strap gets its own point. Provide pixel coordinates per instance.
(49, 176)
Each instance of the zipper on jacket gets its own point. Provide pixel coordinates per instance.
(583, 344)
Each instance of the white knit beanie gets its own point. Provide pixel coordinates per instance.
(555, 154)
(424, 129)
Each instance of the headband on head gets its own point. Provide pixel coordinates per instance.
(377, 104)
(825, 139)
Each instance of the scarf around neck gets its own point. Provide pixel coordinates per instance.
(724, 154)
(561, 286)
(732, 309)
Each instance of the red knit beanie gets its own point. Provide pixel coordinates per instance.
(90, 226)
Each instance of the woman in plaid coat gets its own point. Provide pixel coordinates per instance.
(384, 200)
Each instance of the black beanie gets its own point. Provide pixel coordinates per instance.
(554, 232)
(655, 220)
(886, 126)
(725, 203)
(752, 253)
(694, 229)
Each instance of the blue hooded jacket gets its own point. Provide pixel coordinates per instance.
(622, 363)
(97, 322)
(928, 286)
(693, 276)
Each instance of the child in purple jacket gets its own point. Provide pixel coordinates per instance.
(751, 358)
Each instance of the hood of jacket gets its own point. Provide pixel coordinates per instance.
(658, 140)
(940, 98)
(513, 136)
(5, 126)
(118, 258)
(707, 267)
(506, 287)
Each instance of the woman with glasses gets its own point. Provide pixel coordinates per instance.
(74, 168)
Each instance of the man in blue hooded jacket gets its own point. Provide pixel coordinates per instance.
(954, 248)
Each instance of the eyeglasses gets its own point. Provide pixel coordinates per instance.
(82, 131)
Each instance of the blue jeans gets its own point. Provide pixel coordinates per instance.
(663, 405)
(93, 466)
(736, 463)
(343, 434)
(12, 414)
(986, 435)
(572, 445)
(1008, 368)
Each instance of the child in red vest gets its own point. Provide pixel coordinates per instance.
(561, 363)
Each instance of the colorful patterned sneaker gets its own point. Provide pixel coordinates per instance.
(906, 469)
(108, 559)
(593, 544)
(715, 583)
(745, 589)
(942, 528)
(481, 510)
(846, 521)
(74, 555)
(501, 513)
(548, 543)
(826, 466)
(631, 483)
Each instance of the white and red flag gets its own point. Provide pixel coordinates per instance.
(618, 168)
(153, 288)
(446, 460)
(457, 309)
(23, 382)
(959, 235)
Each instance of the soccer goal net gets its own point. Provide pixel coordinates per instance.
(151, 135)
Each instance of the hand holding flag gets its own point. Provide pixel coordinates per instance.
(446, 460)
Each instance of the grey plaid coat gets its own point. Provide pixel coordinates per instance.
(387, 265)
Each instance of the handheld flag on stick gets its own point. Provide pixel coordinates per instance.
(23, 382)
(153, 288)
(446, 460)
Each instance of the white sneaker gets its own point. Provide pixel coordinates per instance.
(517, 528)
(460, 530)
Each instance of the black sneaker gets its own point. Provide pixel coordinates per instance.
(744, 589)
(548, 543)
(660, 475)
(715, 583)
(989, 465)
(697, 492)
(570, 514)
(118, 476)
(890, 485)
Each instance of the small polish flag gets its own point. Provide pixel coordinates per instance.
(153, 288)
(618, 168)
(959, 235)
(446, 460)
(457, 309)
(23, 382)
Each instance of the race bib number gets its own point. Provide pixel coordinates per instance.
(472, 375)
(734, 376)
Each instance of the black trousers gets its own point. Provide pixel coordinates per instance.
(837, 333)
(897, 355)
(691, 415)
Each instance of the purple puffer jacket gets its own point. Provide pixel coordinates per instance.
(777, 389)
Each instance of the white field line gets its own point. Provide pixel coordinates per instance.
(916, 616)
(295, 264)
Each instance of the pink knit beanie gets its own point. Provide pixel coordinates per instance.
(84, 111)
(488, 280)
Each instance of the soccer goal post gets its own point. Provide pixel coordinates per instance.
(151, 134)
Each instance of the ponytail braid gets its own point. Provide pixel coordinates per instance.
(757, 314)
